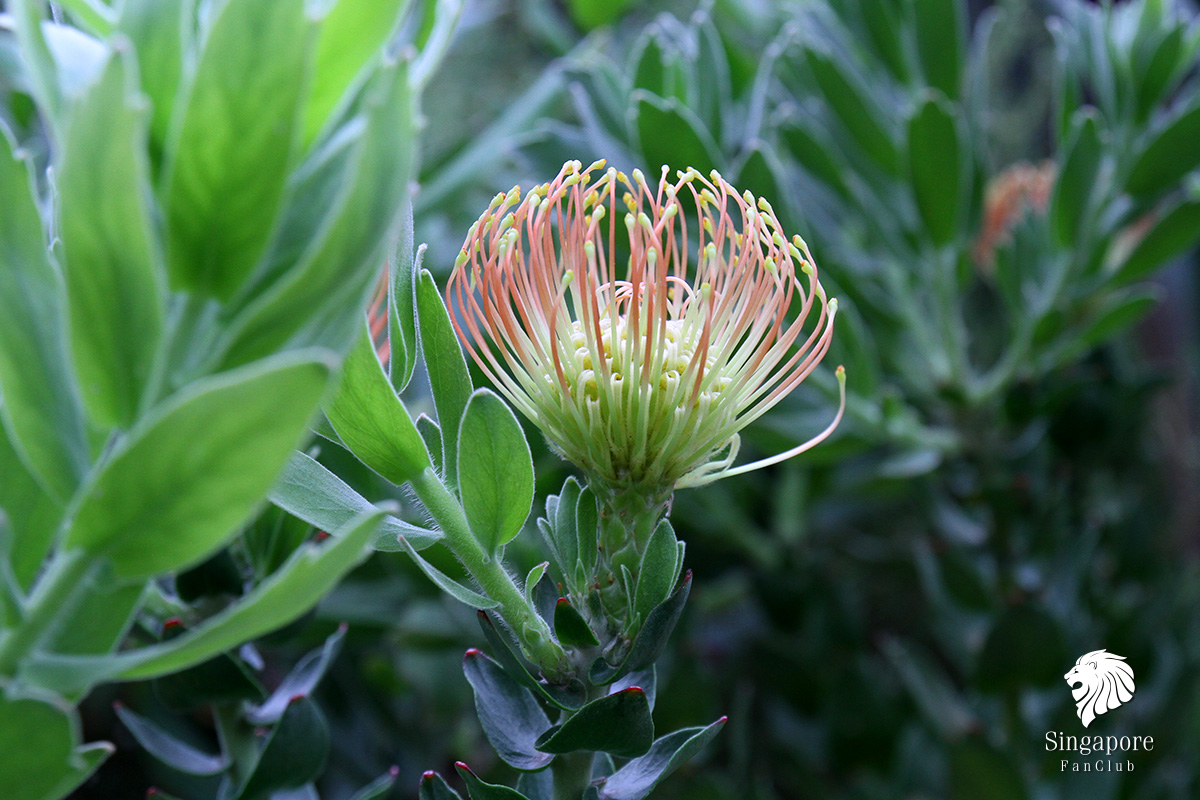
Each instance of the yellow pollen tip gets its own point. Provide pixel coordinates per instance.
(598, 214)
(568, 278)
(460, 259)
(840, 372)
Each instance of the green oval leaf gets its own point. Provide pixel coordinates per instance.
(619, 724)
(860, 117)
(111, 260)
(511, 717)
(448, 376)
(1170, 155)
(189, 473)
(353, 34)
(371, 420)
(935, 167)
(1076, 179)
(294, 755)
(495, 468)
(1176, 232)
(637, 778)
(670, 133)
(659, 569)
(941, 28)
(41, 407)
(570, 627)
(230, 160)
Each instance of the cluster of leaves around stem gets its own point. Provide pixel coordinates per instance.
(196, 200)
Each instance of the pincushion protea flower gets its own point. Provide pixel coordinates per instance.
(639, 340)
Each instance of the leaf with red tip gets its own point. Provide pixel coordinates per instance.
(485, 791)
(651, 639)
(510, 715)
(300, 682)
(638, 777)
(570, 627)
(434, 787)
(619, 724)
(379, 787)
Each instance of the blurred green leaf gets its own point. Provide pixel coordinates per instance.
(1172, 235)
(980, 772)
(38, 753)
(939, 702)
(1118, 313)
(860, 117)
(41, 410)
(190, 472)
(882, 21)
(814, 156)
(1168, 156)
(496, 470)
(1024, 649)
(157, 30)
(448, 375)
(287, 594)
(637, 778)
(669, 133)
(224, 679)
(294, 754)
(111, 260)
(619, 724)
(353, 35)
(941, 28)
(762, 175)
(226, 168)
(30, 515)
(510, 715)
(168, 749)
(1160, 71)
(321, 297)
(314, 494)
(1074, 186)
(378, 788)
(935, 162)
(590, 14)
(371, 420)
